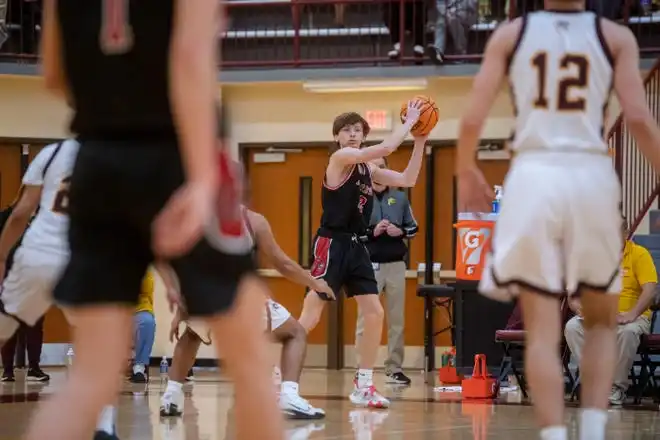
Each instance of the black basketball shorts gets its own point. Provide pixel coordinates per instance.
(116, 190)
(344, 263)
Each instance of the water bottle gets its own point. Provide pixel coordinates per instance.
(498, 199)
(69, 357)
(164, 366)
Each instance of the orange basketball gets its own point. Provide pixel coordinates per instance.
(427, 119)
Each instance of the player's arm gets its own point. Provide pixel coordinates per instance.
(485, 88)
(350, 156)
(629, 88)
(51, 50)
(193, 86)
(408, 177)
(168, 276)
(281, 261)
(27, 203)
(18, 220)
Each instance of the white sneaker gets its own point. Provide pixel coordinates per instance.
(368, 397)
(295, 407)
(171, 404)
(617, 396)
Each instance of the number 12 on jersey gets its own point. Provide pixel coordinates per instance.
(576, 80)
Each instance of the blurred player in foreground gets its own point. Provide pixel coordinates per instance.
(559, 226)
(149, 183)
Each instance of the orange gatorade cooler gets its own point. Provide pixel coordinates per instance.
(473, 240)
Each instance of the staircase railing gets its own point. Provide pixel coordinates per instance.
(639, 181)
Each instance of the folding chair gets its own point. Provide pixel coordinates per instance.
(649, 353)
(512, 341)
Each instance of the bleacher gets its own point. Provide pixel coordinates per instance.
(297, 33)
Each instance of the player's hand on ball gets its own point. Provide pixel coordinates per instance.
(320, 286)
(414, 110)
(180, 225)
(474, 193)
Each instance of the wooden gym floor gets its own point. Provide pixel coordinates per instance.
(417, 412)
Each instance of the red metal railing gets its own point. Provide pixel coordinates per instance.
(639, 181)
(296, 33)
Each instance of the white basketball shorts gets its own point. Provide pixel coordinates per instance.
(559, 227)
(26, 293)
(278, 316)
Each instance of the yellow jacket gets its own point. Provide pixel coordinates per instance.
(146, 298)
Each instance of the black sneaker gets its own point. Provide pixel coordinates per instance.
(398, 378)
(36, 375)
(190, 376)
(102, 435)
(8, 377)
(138, 377)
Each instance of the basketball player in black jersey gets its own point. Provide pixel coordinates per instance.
(142, 78)
(340, 257)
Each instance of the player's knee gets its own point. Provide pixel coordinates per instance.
(297, 331)
(8, 327)
(371, 308)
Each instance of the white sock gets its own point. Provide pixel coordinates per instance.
(365, 378)
(289, 388)
(592, 424)
(138, 368)
(174, 387)
(554, 433)
(106, 421)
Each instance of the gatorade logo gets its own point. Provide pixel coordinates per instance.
(473, 241)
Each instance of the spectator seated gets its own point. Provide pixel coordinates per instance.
(639, 283)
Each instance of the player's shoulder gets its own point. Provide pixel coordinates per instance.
(257, 221)
(511, 29)
(49, 150)
(617, 37)
(507, 36)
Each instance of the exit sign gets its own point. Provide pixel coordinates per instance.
(379, 119)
